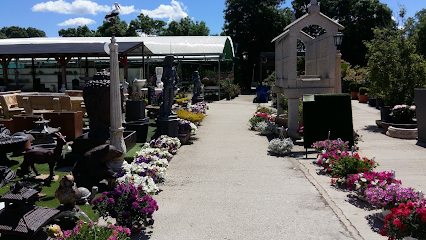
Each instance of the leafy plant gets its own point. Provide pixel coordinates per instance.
(363, 91)
(89, 231)
(280, 146)
(266, 127)
(403, 113)
(136, 96)
(129, 205)
(344, 165)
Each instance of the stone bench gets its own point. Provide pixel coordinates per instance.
(9, 105)
(41, 103)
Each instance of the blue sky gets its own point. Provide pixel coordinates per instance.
(51, 16)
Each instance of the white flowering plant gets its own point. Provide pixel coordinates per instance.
(153, 151)
(164, 143)
(266, 127)
(281, 146)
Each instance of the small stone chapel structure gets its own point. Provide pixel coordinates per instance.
(322, 62)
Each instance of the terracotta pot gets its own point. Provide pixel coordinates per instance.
(362, 98)
(354, 95)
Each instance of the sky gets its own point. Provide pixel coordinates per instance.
(52, 16)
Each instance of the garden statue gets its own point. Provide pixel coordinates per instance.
(170, 80)
(67, 192)
(197, 88)
(93, 168)
(157, 78)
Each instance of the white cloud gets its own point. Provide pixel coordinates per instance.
(77, 22)
(174, 12)
(79, 7)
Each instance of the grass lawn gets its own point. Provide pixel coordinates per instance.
(49, 200)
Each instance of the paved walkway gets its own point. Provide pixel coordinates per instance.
(226, 186)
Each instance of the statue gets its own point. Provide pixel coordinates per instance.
(157, 78)
(170, 80)
(197, 88)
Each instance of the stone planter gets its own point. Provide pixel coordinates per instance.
(362, 98)
(184, 138)
(384, 114)
(282, 120)
(141, 128)
(403, 133)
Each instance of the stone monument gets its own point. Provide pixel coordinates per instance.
(167, 122)
(197, 97)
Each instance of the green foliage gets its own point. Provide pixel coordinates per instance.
(80, 31)
(18, 32)
(230, 89)
(363, 91)
(284, 104)
(148, 25)
(346, 165)
(358, 17)
(121, 29)
(186, 27)
(253, 26)
(394, 67)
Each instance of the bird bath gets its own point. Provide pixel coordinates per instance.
(139, 84)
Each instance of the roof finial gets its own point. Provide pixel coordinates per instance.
(314, 6)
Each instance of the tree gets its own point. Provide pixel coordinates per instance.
(394, 67)
(186, 27)
(417, 25)
(80, 31)
(120, 29)
(18, 32)
(359, 17)
(252, 25)
(148, 25)
(33, 32)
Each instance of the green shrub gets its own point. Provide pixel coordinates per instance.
(363, 91)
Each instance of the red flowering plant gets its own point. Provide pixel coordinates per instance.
(362, 181)
(262, 114)
(343, 165)
(129, 205)
(408, 219)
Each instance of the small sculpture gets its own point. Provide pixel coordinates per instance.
(170, 80)
(85, 196)
(41, 155)
(67, 192)
(93, 168)
(197, 87)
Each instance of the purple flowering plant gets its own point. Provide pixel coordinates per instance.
(129, 205)
(89, 231)
(389, 196)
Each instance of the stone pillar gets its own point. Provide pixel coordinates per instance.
(116, 129)
(293, 116)
(279, 91)
(338, 72)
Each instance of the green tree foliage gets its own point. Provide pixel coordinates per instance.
(120, 29)
(394, 67)
(417, 25)
(148, 25)
(252, 25)
(186, 27)
(359, 17)
(80, 31)
(18, 32)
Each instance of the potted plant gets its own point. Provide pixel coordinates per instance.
(280, 146)
(403, 114)
(84, 230)
(354, 88)
(135, 107)
(185, 130)
(129, 205)
(360, 182)
(406, 220)
(362, 97)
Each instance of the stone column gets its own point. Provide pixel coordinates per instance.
(293, 116)
(116, 129)
(279, 92)
(338, 72)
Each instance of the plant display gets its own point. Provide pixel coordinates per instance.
(362, 181)
(389, 196)
(342, 165)
(266, 127)
(403, 113)
(181, 99)
(157, 99)
(185, 126)
(164, 143)
(136, 96)
(145, 151)
(406, 220)
(284, 104)
(330, 145)
(89, 231)
(208, 82)
(190, 116)
(149, 166)
(182, 94)
(363, 91)
(262, 114)
(266, 110)
(128, 204)
(281, 146)
(230, 89)
(199, 107)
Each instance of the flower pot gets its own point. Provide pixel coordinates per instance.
(372, 101)
(354, 95)
(362, 98)
(184, 138)
(384, 114)
(379, 103)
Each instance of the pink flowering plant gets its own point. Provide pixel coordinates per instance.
(88, 231)
(408, 219)
(129, 205)
(330, 145)
(362, 181)
(389, 196)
